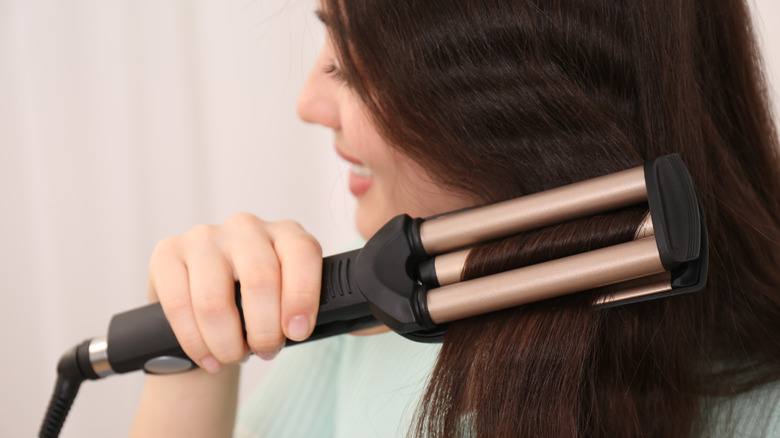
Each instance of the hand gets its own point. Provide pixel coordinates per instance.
(279, 266)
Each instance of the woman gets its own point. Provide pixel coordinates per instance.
(441, 105)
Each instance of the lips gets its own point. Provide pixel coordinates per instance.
(360, 177)
(359, 180)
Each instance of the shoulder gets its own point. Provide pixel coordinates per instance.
(752, 414)
(342, 386)
(382, 379)
(297, 387)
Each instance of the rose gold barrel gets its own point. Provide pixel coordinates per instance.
(449, 267)
(645, 229)
(580, 199)
(614, 264)
(640, 287)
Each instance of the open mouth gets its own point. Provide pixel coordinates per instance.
(360, 179)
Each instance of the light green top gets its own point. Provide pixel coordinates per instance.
(346, 386)
(753, 414)
(351, 386)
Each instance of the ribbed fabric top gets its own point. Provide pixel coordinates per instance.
(753, 414)
(346, 386)
(369, 386)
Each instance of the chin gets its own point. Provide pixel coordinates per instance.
(364, 227)
(368, 222)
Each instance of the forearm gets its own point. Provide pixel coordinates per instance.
(193, 404)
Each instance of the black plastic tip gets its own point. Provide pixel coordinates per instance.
(674, 210)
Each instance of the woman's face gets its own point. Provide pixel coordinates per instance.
(385, 182)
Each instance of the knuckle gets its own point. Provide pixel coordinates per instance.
(213, 306)
(287, 229)
(299, 300)
(176, 306)
(191, 340)
(200, 233)
(232, 353)
(307, 246)
(261, 278)
(301, 252)
(165, 247)
(266, 341)
(192, 344)
(243, 220)
(288, 225)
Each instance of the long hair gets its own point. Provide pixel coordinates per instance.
(499, 99)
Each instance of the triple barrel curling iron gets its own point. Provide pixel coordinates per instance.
(407, 276)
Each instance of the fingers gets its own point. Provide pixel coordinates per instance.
(212, 292)
(279, 267)
(257, 269)
(169, 283)
(280, 276)
(300, 257)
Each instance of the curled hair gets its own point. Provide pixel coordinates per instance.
(500, 98)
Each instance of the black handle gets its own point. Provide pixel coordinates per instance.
(340, 298)
(343, 308)
(141, 335)
(142, 338)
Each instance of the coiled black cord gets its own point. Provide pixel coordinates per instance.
(72, 369)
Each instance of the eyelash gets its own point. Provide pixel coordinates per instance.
(335, 73)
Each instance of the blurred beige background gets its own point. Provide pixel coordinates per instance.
(126, 121)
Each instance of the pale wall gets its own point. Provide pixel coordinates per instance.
(122, 122)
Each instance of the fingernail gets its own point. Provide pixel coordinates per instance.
(268, 355)
(298, 327)
(210, 364)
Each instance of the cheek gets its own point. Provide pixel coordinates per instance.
(364, 139)
(403, 187)
(418, 195)
(399, 184)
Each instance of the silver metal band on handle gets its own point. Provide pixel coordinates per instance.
(98, 357)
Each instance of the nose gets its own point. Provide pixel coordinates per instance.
(317, 101)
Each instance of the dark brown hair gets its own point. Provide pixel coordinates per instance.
(500, 99)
